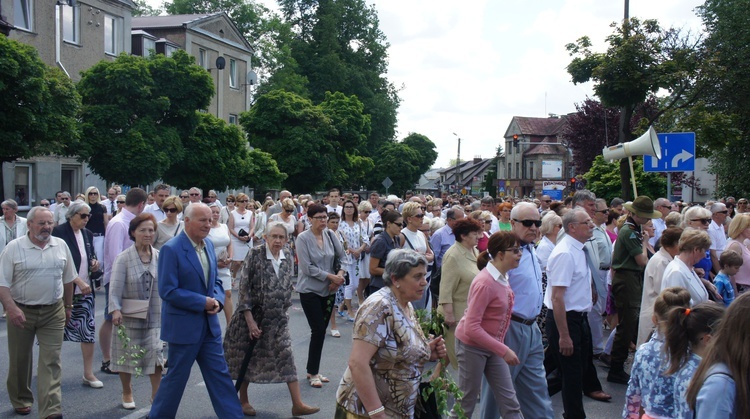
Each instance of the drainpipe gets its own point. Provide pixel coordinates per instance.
(58, 38)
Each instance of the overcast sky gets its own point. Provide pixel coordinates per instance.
(467, 67)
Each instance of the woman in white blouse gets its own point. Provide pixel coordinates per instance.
(680, 272)
(551, 225)
(219, 235)
(412, 238)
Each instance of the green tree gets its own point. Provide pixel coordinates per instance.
(399, 162)
(142, 8)
(603, 179)
(216, 156)
(39, 106)
(295, 132)
(641, 60)
(137, 113)
(425, 149)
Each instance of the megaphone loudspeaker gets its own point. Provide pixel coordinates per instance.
(645, 145)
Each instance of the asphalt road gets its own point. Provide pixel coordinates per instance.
(270, 400)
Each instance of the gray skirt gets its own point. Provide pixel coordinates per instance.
(125, 358)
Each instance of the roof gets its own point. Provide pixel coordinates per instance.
(468, 170)
(170, 21)
(548, 145)
(538, 127)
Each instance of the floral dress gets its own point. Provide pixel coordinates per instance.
(397, 364)
(648, 386)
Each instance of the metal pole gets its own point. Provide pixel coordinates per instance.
(632, 176)
(458, 162)
(669, 186)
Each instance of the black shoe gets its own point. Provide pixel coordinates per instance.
(618, 376)
(105, 368)
(604, 359)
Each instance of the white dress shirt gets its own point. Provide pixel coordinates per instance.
(718, 238)
(567, 267)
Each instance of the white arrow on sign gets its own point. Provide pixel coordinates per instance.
(683, 156)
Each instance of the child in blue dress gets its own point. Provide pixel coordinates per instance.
(720, 388)
(730, 262)
(688, 333)
(650, 389)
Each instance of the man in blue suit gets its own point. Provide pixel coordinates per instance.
(189, 321)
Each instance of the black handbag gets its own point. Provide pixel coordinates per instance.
(95, 277)
(243, 233)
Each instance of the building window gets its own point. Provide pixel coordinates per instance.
(510, 171)
(518, 171)
(203, 58)
(169, 50)
(112, 35)
(233, 119)
(149, 47)
(22, 186)
(531, 170)
(22, 14)
(232, 73)
(71, 18)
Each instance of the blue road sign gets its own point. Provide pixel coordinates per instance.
(677, 153)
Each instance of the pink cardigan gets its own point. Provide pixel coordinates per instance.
(487, 317)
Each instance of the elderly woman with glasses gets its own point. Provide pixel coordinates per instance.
(13, 225)
(82, 324)
(320, 275)
(171, 226)
(389, 348)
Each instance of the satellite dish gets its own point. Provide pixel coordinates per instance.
(221, 63)
(252, 78)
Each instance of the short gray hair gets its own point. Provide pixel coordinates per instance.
(32, 213)
(549, 221)
(520, 206)
(399, 263)
(571, 217)
(601, 201)
(693, 212)
(76, 207)
(276, 224)
(718, 206)
(10, 203)
(188, 213)
(365, 205)
(581, 196)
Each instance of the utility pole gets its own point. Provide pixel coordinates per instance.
(458, 162)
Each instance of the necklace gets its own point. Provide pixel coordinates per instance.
(145, 262)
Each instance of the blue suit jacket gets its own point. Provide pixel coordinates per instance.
(183, 291)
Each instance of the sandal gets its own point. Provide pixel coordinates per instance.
(335, 333)
(320, 377)
(315, 382)
(105, 368)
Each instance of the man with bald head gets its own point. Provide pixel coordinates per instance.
(277, 208)
(524, 336)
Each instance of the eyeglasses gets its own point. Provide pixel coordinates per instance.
(516, 250)
(243, 201)
(529, 223)
(320, 218)
(705, 221)
(366, 212)
(288, 211)
(184, 197)
(171, 210)
(583, 222)
(547, 200)
(230, 201)
(418, 215)
(83, 215)
(64, 199)
(742, 203)
(195, 194)
(44, 205)
(722, 212)
(604, 211)
(93, 193)
(212, 196)
(488, 221)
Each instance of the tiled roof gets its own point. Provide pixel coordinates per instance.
(539, 126)
(547, 146)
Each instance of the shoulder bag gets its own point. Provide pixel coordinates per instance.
(136, 308)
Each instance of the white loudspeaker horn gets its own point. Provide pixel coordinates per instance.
(645, 145)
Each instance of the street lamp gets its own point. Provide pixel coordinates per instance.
(458, 162)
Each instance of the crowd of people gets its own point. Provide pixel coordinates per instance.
(526, 290)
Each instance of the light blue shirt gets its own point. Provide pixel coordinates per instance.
(441, 241)
(716, 398)
(526, 283)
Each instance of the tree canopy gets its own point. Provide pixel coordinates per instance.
(138, 112)
(603, 179)
(39, 106)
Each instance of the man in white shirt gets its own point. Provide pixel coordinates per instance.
(34, 293)
(277, 208)
(664, 207)
(161, 193)
(569, 298)
(196, 195)
(716, 232)
(544, 202)
(334, 195)
(62, 208)
(111, 202)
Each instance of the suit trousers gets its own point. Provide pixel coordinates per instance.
(47, 325)
(475, 363)
(596, 321)
(318, 312)
(529, 377)
(209, 354)
(577, 371)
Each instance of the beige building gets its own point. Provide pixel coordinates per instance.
(211, 39)
(72, 39)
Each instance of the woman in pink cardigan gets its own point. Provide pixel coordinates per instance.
(481, 331)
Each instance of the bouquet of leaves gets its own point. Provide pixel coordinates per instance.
(133, 353)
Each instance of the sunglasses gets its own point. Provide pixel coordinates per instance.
(722, 212)
(93, 193)
(529, 223)
(83, 215)
(244, 201)
(195, 194)
(547, 200)
(418, 215)
(288, 211)
(604, 211)
(44, 205)
(488, 221)
(121, 202)
(184, 197)
(705, 221)
(230, 201)
(170, 210)
(366, 212)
